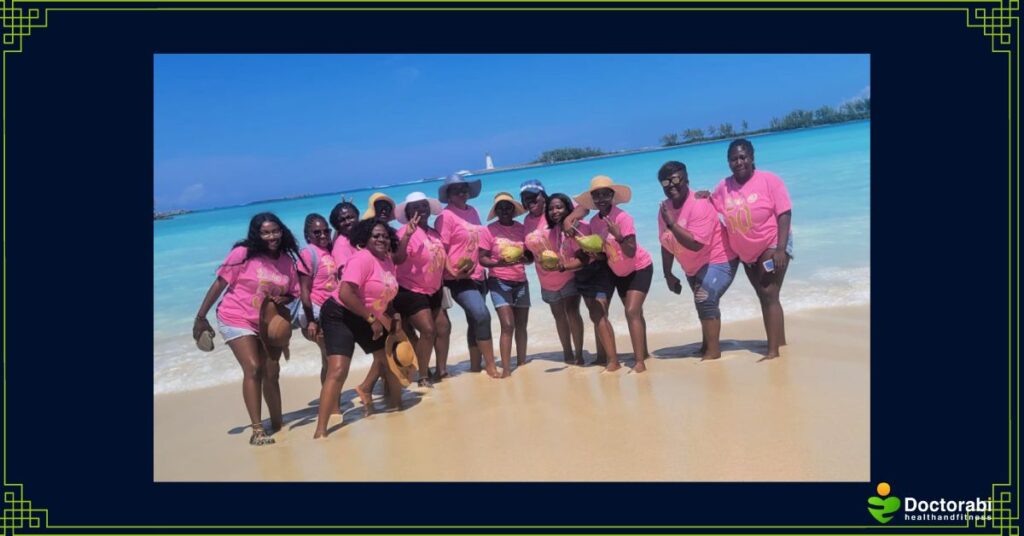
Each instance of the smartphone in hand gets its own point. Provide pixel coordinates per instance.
(769, 265)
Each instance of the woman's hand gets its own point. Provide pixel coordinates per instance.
(666, 214)
(613, 229)
(378, 328)
(199, 326)
(674, 284)
(313, 330)
(414, 222)
(780, 259)
(281, 300)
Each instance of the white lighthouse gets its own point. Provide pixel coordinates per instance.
(488, 163)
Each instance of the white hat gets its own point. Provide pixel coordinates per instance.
(435, 205)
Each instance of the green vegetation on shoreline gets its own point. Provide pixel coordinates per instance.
(855, 110)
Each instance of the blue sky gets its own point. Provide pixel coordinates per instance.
(230, 129)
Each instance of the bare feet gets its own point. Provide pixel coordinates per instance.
(367, 401)
(612, 367)
(771, 355)
(579, 361)
(521, 362)
(318, 434)
(639, 367)
(505, 374)
(475, 368)
(492, 371)
(710, 357)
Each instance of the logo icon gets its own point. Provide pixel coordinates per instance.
(883, 507)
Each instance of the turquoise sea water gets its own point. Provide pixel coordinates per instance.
(825, 169)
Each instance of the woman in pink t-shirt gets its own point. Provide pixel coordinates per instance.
(359, 314)
(260, 267)
(343, 218)
(758, 213)
(503, 252)
(689, 231)
(460, 230)
(558, 280)
(420, 259)
(630, 264)
(318, 280)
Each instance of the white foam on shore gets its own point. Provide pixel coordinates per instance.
(179, 366)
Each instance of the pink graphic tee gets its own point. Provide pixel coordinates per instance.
(341, 252)
(699, 217)
(325, 281)
(620, 264)
(553, 239)
(750, 212)
(460, 232)
(499, 236)
(423, 268)
(250, 282)
(374, 280)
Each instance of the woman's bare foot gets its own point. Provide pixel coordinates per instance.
(506, 374)
(579, 361)
(521, 362)
(710, 357)
(366, 400)
(639, 367)
(492, 371)
(318, 434)
(612, 367)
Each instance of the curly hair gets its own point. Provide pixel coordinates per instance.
(360, 234)
(254, 243)
(566, 200)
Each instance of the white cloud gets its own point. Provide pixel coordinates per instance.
(192, 193)
(862, 94)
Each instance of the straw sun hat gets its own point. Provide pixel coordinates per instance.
(435, 205)
(622, 192)
(400, 355)
(275, 325)
(505, 196)
(371, 212)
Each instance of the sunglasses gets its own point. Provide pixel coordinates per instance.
(674, 181)
(458, 190)
(320, 232)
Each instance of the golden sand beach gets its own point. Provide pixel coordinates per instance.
(803, 417)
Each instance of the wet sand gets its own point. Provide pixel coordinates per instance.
(802, 417)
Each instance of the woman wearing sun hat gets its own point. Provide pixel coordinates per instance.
(379, 207)
(460, 230)
(503, 252)
(631, 265)
(420, 259)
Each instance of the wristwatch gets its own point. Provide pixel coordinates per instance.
(371, 319)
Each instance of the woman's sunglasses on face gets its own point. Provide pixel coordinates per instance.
(674, 180)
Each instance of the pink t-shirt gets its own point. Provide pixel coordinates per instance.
(544, 238)
(499, 236)
(699, 217)
(424, 262)
(341, 252)
(620, 264)
(374, 279)
(460, 232)
(249, 282)
(325, 282)
(750, 212)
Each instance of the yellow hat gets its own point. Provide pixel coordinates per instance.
(505, 196)
(622, 192)
(400, 354)
(371, 212)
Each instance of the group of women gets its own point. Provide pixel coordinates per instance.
(373, 278)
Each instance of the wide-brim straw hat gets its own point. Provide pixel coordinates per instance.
(435, 205)
(275, 324)
(474, 186)
(400, 355)
(505, 196)
(371, 212)
(622, 192)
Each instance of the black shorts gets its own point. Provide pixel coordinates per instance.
(594, 280)
(408, 303)
(638, 280)
(343, 329)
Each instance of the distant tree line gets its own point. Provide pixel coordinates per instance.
(567, 153)
(849, 111)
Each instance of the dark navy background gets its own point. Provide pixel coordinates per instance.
(79, 274)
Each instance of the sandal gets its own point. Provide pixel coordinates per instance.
(425, 383)
(259, 436)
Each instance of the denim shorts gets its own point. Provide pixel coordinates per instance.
(509, 293)
(299, 314)
(554, 296)
(230, 333)
(709, 285)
